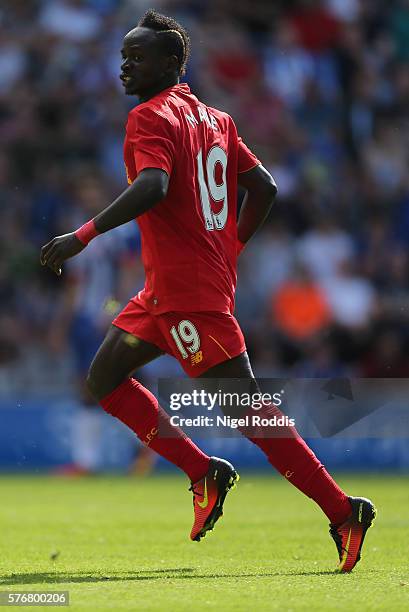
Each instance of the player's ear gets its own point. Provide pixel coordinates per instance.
(173, 64)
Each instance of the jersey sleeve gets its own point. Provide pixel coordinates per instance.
(246, 159)
(152, 141)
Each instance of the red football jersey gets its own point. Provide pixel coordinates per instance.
(189, 239)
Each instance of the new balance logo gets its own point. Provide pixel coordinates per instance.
(196, 358)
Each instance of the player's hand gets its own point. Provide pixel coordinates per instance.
(55, 252)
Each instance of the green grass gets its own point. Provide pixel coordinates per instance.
(123, 545)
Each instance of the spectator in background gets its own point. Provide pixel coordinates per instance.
(287, 67)
(351, 298)
(317, 27)
(386, 158)
(299, 307)
(70, 19)
(324, 248)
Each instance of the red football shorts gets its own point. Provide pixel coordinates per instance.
(198, 340)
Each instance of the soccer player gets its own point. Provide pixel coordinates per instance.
(184, 161)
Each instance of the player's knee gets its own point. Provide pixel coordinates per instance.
(101, 379)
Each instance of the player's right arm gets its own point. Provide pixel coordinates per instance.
(261, 190)
(147, 190)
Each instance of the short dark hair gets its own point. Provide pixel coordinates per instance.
(173, 37)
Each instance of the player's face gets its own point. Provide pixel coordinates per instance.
(144, 66)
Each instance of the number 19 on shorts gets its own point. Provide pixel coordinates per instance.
(187, 337)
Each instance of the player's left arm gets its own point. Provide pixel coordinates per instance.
(261, 190)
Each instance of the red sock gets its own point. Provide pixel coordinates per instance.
(138, 408)
(291, 456)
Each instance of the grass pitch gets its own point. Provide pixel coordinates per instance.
(122, 544)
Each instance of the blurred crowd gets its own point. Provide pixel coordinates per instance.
(319, 90)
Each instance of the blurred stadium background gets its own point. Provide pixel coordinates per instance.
(320, 91)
